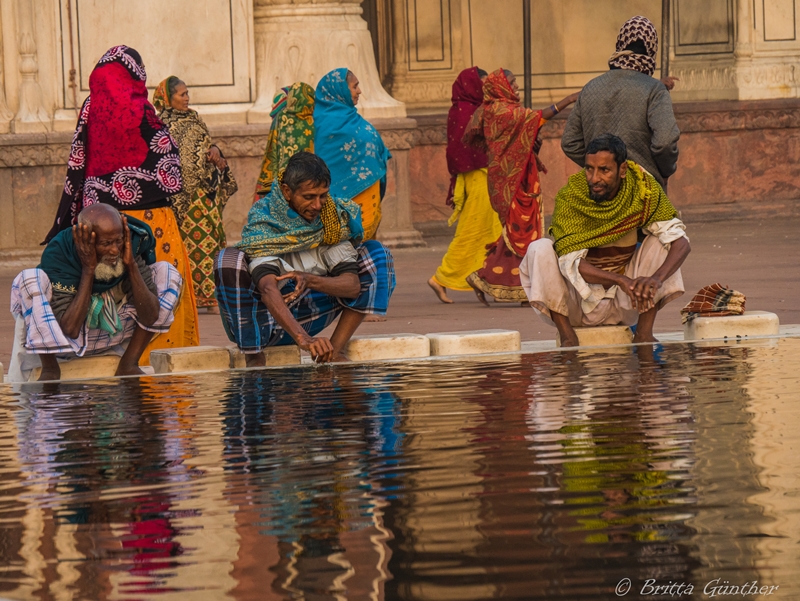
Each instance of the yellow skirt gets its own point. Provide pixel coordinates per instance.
(478, 226)
(370, 202)
(170, 248)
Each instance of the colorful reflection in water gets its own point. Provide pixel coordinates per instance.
(546, 476)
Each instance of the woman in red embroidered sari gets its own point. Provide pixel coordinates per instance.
(508, 132)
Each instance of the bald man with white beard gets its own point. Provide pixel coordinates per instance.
(98, 290)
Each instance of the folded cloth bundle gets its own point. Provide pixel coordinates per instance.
(714, 301)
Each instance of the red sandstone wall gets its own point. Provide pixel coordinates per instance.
(735, 157)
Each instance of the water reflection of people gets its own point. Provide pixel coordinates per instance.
(301, 474)
(76, 450)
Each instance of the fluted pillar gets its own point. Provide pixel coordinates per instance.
(5, 113)
(31, 116)
(301, 40)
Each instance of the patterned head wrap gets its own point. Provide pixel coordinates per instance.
(292, 131)
(121, 153)
(636, 29)
(161, 93)
(351, 147)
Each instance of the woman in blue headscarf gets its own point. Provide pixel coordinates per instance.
(351, 147)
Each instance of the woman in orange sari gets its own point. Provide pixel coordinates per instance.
(508, 133)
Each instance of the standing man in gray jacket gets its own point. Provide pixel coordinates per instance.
(629, 103)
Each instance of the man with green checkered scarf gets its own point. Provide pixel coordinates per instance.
(616, 252)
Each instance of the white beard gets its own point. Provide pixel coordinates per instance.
(106, 273)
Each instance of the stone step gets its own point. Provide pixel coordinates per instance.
(190, 359)
(379, 347)
(601, 336)
(474, 342)
(83, 368)
(752, 323)
(275, 356)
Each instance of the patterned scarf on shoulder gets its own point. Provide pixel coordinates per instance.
(580, 222)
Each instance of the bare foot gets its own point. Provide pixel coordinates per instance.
(132, 369)
(644, 337)
(255, 360)
(50, 368)
(213, 310)
(440, 291)
(340, 358)
(569, 340)
(50, 374)
(481, 296)
(374, 318)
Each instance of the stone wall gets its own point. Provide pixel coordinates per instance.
(737, 160)
(33, 167)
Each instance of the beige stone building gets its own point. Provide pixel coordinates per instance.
(736, 60)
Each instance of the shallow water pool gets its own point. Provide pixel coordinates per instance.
(558, 475)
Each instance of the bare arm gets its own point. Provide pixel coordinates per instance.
(346, 285)
(144, 300)
(549, 113)
(276, 305)
(74, 317)
(642, 290)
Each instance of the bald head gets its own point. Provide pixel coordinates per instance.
(104, 222)
(100, 217)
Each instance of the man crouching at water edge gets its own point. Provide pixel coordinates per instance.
(595, 272)
(300, 265)
(97, 290)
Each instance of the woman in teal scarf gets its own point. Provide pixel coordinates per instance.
(350, 146)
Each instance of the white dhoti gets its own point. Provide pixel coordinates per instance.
(37, 331)
(548, 290)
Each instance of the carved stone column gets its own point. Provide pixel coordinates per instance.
(31, 116)
(5, 113)
(302, 40)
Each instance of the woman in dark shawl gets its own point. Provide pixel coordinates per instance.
(123, 155)
(207, 185)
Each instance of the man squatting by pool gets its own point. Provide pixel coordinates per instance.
(97, 290)
(598, 271)
(301, 264)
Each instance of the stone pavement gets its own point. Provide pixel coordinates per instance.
(756, 257)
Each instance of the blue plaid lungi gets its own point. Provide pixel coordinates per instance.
(249, 324)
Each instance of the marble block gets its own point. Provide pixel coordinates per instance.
(752, 323)
(190, 359)
(83, 368)
(474, 342)
(275, 356)
(387, 346)
(601, 336)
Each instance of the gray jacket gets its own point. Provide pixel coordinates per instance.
(633, 106)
